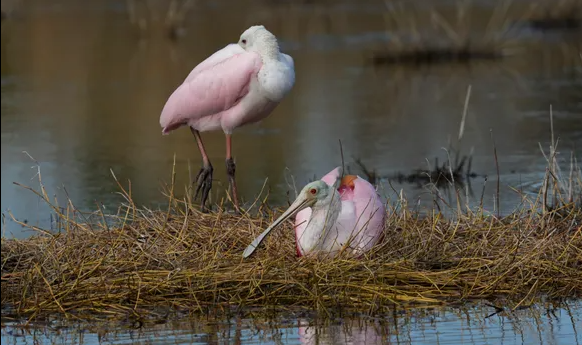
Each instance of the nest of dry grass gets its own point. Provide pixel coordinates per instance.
(141, 260)
(189, 260)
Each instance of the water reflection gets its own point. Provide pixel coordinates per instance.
(466, 325)
(82, 93)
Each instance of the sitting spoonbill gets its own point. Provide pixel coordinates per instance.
(240, 84)
(334, 213)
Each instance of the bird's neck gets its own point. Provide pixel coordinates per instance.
(270, 54)
(322, 219)
(269, 49)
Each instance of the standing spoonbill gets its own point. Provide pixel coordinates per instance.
(240, 84)
(334, 213)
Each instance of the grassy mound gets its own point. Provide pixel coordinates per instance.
(141, 260)
(186, 259)
(563, 15)
(452, 38)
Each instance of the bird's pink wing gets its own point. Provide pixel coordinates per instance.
(331, 176)
(212, 90)
(370, 210)
(221, 55)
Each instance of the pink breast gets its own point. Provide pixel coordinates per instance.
(346, 192)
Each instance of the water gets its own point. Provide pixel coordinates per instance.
(468, 325)
(82, 94)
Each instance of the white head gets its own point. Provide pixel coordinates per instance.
(318, 195)
(260, 40)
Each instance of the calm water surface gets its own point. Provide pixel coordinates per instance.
(537, 325)
(82, 94)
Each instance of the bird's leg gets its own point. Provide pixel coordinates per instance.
(230, 170)
(204, 177)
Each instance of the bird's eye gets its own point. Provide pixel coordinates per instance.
(244, 41)
(313, 191)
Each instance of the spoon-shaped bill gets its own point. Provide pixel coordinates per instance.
(299, 204)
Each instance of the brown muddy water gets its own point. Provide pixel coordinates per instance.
(82, 91)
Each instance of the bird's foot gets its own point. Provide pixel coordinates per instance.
(230, 171)
(204, 185)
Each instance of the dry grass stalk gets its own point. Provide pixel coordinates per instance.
(556, 15)
(189, 260)
(146, 15)
(141, 260)
(448, 41)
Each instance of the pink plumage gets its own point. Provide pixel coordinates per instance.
(362, 211)
(330, 220)
(240, 84)
(211, 93)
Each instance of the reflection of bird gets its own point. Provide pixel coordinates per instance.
(239, 84)
(334, 213)
(339, 334)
